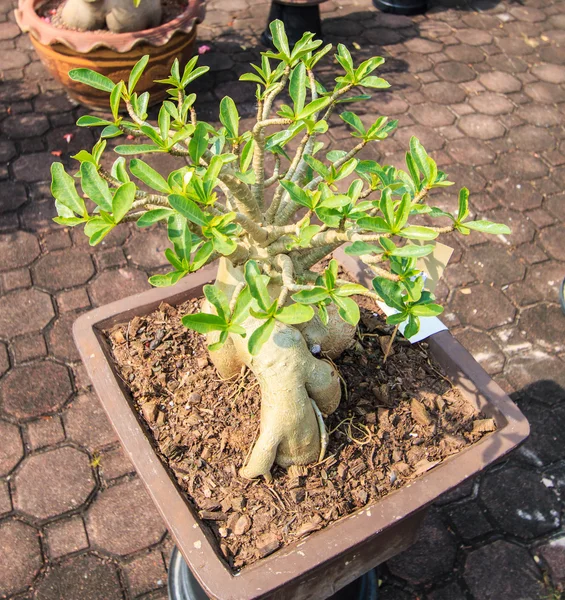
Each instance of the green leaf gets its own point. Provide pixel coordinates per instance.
(294, 314)
(426, 310)
(64, 190)
(240, 310)
(348, 309)
(204, 323)
(111, 131)
(229, 116)
(377, 224)
(97, 229)
(164, 120)
(153, 216)
(222, 243)
(368, 66)
(420, 156)
(346, 169)
(297, 194)
(95, 187)
(180, 235)
(353, 120)
(90, 121)
(280, 41)
(375, 82)
(149, 176)
(413, 250)
(202, 255)
(128, 150)
(318, 294)
(123, 199)
(489, 227)
(390, 292)
(187, 208)
(136, 72)
(412, 327)
(199, 143)
(418, 232)
(260, 335)
(92, 79)
(317, 165)
(166, 280)
(314, 107)
(403, 211)
(218, 300)
(360, 248)
(297, 87)
(350, 289)
(257, 285)
(463, 212)
(343, 56)
(221, 341)
(115, 97)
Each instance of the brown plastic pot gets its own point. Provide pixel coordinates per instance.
(326, 561)
(112, 54)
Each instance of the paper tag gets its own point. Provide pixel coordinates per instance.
(428, 325)
(433, 265)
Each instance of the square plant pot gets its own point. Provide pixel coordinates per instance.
(329, 559)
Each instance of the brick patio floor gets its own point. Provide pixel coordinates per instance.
(482, 85)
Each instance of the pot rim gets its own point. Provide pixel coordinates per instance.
(86, 41)
(309, 558)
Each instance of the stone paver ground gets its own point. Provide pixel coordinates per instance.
(482, 84)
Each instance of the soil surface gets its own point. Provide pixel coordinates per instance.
(50, 12)
(396, 421)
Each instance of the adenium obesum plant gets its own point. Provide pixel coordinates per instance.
(268, 309)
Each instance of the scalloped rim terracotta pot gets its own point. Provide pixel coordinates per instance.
(112, 54)
(329, 559)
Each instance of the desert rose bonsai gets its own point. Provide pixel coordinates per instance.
(268, 310)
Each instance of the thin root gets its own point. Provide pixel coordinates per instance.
(323, 431)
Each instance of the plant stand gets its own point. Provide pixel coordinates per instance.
(298, 18)
(402, 7)
(183, 584)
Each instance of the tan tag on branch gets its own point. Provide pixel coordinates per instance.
(434, 264)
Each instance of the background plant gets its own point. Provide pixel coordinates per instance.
(268, 308)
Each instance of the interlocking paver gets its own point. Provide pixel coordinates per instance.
(553, 241)
(46, 431)
(12, 447)
(501, 82)
(17, 249)
(123, 520)
(520, 502)
(87, 424)
(63, 269)
(4, 360)
(66, 536)
(416, 565)
(146, 573)
(84, 577)
(502, 570)
(53, 482)
(483, 82)
(35, 389)
(20, 556)
(481, 126)
(116, 284)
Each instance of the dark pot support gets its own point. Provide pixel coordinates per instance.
(183, 584)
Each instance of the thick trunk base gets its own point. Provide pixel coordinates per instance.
(295, 386)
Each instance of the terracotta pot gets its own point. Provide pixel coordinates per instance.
(112, 54)
(328, 560)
